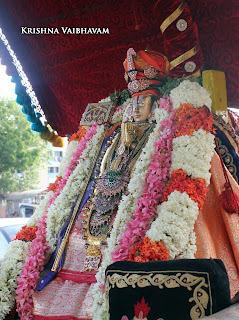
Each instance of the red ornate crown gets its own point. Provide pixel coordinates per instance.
(145, 71)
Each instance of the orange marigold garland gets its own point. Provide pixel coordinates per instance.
(26, 233)
(54, 186)
(195, 188)
(148, 251)
(189, 119)
(79, 134)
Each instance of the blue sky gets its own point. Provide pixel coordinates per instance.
(7, 88)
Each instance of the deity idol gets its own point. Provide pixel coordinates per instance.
(120, 152)
(149, 188)
(144, 190)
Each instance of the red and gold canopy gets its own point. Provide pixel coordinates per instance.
(67, 71)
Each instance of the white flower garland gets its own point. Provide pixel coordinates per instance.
(60, 210)
(124, 214)
(190, 249)
(175, 222)
(67, 157)
(9, 273)
(14, 259)
(17, 252)
(177, 216)
(193, 154)
(190, 92)
(40, 210)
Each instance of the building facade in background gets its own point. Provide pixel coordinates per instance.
(22, 203)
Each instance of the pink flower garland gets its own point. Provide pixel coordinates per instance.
(38, 248)
(74, 162)
(30, 272)
(158, 173)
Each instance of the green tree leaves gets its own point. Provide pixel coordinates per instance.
(22, 152)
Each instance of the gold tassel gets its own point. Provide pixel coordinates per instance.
(50, 136)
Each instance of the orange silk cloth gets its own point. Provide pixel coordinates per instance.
(218, 231)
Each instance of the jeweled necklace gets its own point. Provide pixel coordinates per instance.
(112, 183)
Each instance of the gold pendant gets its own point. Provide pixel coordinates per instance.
(92, 258)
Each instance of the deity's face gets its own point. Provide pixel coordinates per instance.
(141, 108)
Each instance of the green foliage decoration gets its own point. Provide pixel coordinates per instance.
(121, 95)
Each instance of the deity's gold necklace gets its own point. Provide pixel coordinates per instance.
(117, 164)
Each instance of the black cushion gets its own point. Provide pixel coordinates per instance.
(177, 289)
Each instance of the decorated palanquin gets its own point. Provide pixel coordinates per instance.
(141, 183)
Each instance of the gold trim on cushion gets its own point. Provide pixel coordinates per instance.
(123, 279)
(170, 19)
(185, 56)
